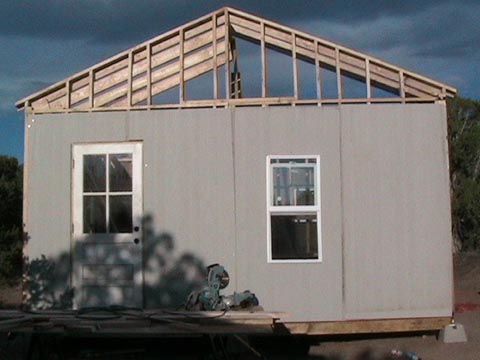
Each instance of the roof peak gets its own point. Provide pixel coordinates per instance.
(132, 78)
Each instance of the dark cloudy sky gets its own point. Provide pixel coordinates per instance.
(44, 41)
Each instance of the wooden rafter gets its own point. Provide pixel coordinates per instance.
(134, 77)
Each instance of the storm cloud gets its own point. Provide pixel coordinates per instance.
(120, 20)
(43, 42)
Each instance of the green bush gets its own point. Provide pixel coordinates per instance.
(11, 233)
(464, 117)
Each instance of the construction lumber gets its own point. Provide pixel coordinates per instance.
(132, 78)
(368, 326)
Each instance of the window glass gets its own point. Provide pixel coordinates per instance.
(120, 172)
(293, 184)
(120, 214)
(94, 215)
(94, 173)
(281, 186)
(294, 237)
(107, 206)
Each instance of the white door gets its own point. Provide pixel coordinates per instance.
(107, 224)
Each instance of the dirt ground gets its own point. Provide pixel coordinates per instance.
(424, 346)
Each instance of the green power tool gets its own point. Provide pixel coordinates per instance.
(209, 298)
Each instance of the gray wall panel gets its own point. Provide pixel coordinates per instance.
(188, 187)
(49, 193)
(396, 211)
(51, 139)
(308, 291)
(188, 190)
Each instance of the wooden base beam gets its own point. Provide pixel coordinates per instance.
(367, 326)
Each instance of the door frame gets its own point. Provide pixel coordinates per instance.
(87, 148)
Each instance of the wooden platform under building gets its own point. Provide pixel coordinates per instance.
(139, 323)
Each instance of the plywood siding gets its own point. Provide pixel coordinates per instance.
(188, 191)
(397, 224)
(49, 220)
(308, 290)
(385, 204)
(49, 159)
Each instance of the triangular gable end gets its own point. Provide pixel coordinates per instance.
(131, 79)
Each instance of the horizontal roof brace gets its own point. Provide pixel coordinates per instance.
(246, 102)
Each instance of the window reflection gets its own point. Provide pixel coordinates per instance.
(94, 173)
(120, 214)
(103, 211)
(294, 237)
(94, 215)
(293, 184)
(120, 172)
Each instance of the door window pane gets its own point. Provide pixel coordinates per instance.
(94, 173)
(120, 172)
(294, 237)
(94, 219)
(107, 205)
(120, 214)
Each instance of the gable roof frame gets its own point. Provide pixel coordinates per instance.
(131, 79)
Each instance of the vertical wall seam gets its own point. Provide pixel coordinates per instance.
(127, 125)
(342, 218)
(72, 230)
(235, 258)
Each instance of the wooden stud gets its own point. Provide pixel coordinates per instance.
(235, 83)
(402, 84)
(339, 74)
(91, 89)
(68, 87)
(130, 79)
(318, 73)
(367, 79)
(214, 60)
(227, 51)
(181, 80)
(444, 93)
(295, 67)
(149, 74)
(263, 50)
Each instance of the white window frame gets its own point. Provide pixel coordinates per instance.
(293, 209)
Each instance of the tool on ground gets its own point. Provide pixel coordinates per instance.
(209, 298)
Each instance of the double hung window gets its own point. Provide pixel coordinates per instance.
(293, 208)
